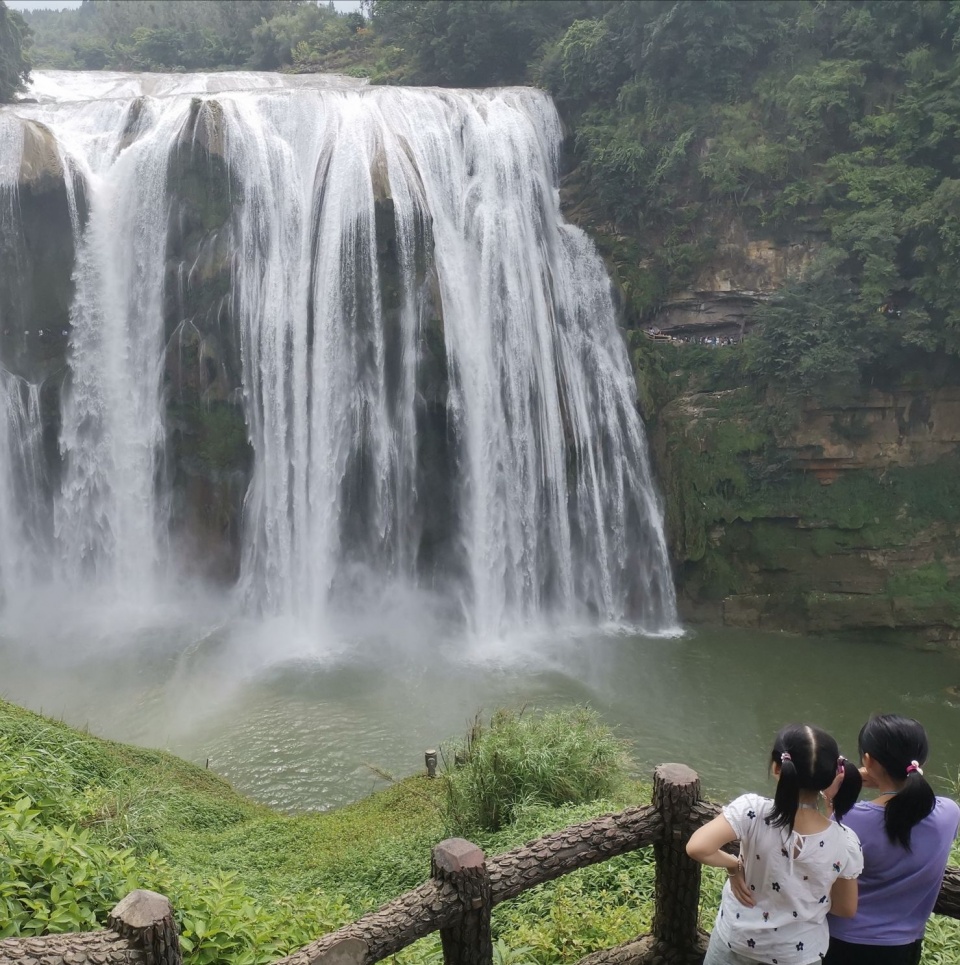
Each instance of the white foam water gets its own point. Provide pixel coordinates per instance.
(436, 391)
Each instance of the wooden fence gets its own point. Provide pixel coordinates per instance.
(463, 889)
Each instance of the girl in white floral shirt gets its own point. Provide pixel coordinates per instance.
(794, 865)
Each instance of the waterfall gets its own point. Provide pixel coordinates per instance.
(22, 537)
(107, 518)
(435, 389)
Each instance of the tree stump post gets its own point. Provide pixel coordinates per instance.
(462, 865)
(676, 791)
(145, 919)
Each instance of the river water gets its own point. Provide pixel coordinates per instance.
(317, 724)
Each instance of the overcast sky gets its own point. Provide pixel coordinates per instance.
(63, 4)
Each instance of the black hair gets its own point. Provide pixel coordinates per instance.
(895, 742)
(809, 760)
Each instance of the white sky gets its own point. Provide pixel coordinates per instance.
(343, 5)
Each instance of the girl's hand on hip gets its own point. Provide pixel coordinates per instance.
(741, 890)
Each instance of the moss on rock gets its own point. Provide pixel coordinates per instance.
(761, 537)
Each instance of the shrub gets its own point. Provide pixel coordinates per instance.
(52, 878)
(554, 758)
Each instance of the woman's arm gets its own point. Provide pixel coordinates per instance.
(843, 898)
(705, 844)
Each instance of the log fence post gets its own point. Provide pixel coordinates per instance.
(460, 863)
(146, 919)
(676, 792)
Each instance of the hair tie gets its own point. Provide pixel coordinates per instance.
(785, 756)
(841, 760)
(914, 766)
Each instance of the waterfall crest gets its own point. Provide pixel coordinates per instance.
(434, 386)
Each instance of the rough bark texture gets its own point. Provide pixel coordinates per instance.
(575, 847)
(648, 951)
(457, 901)
(702, 812)
(949, 901)
(140, 931)
(467, 941)
(91, 948)
(415, 914)
(674, 938)
(146, 919)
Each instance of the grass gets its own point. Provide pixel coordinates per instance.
(521, 759)
(248, 884)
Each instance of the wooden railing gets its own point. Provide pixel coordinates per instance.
(463, 889)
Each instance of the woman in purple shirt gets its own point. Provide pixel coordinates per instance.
(906, 834)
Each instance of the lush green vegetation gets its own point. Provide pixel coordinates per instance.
(520, 759)
(835, 122)
(14, 60)
(82, 821)
(831, 123)
(186, 35)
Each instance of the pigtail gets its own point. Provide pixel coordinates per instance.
(786, 800)
(899, 745)
(809, 760)
(849, 789)
(909, 806)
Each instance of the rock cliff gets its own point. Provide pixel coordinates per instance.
(207, 440)
(810, 515)
(36, 267)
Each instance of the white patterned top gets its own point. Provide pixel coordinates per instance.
(791, 876)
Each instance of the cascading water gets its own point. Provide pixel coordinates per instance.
(21, 486)
(548, 503)
(435, 389)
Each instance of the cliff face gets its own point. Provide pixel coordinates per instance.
(806, 529)
(806, 515)
(36, 267)
(207, 441)
(741, 272)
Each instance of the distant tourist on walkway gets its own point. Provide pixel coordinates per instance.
(906, 833)
(794, 865)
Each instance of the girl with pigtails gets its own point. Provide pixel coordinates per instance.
(794, 864)
(906, 832)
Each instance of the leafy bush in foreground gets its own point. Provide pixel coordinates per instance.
(555, 758)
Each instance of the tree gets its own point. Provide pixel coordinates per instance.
(161, 34)
(14, 62)
(463, 43)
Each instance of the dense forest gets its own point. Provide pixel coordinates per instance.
(839, 119)
(187, 35)
(15, 39)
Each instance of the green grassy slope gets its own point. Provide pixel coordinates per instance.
(83, 820)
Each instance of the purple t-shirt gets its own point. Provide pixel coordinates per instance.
(898, 888)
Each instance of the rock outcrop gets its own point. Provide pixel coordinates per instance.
(206, 429)
(744, 271)
(36, 269)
